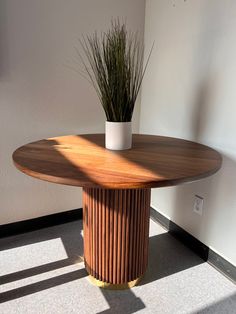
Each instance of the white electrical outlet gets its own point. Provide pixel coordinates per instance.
(198, 205)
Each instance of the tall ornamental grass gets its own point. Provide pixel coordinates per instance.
(113, 63)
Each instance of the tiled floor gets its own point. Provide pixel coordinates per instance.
(41, 272)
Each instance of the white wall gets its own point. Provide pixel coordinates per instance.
(41, 97)
(189, 92)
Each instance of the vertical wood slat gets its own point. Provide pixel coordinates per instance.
(119, 234)
(123, 236)
(111, 219)
(99, 235)
(93, 253)
(103, 232)
(116, 228)
(135, 233)
(131, 236)
(107, 238)
(115, 223)
(139, 234)
(127, 242)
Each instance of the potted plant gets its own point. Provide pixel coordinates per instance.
(113, 62)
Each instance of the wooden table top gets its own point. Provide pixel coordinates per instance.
(82, 160)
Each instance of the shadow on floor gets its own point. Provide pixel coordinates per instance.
(224, 306)
(41, 285)
(122, 301)
(166, 257)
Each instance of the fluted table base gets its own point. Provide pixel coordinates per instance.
(116, 229)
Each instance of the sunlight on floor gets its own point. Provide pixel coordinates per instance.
(31, 255)
(40, 277)
(43, 272)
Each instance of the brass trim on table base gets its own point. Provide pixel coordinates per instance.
(116, 235)
(110, 286)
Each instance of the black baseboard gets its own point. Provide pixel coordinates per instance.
(196, 246)
(40, 222)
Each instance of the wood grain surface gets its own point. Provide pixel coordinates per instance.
(82, 160)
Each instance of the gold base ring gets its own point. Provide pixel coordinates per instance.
(112, 286)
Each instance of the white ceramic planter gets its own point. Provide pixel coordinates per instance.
(118, 135)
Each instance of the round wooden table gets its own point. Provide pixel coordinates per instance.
(116, 192)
